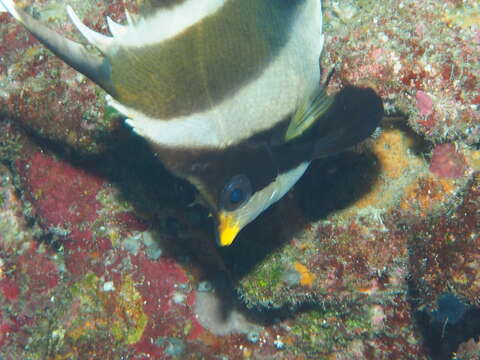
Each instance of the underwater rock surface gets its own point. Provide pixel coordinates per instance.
(100, 256)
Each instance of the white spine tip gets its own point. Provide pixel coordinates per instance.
(129, 17)
(9, 5)
(101, 42)
(116, 29)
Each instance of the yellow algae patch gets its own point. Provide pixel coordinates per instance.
(31, 52)
(98, 312)
(464, 17)
(131, 319)
(247, 353)
(87, 327)
(85, 293)
(306, 277)
(473, 159)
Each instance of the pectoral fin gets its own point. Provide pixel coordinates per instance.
(330, 124)
(353, 116)
(311, 110)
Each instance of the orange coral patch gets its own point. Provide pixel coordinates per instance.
(306, 277)
(426, 193)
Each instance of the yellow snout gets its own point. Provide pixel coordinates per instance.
(228, 228)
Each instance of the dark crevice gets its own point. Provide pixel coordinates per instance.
(444, 329)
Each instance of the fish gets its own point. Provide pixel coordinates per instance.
(227, 93)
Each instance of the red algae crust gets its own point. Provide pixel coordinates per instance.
(64, 195)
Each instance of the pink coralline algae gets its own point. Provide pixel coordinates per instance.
(448, 162)
(37, 270)
(9, 288)
(424, 103)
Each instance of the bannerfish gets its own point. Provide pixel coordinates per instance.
(226, 92)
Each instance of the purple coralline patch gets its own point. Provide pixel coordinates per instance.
(36, 271)
(448, 162)
(424, 103)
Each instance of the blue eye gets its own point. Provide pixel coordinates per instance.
(235, 193)
(236, 196)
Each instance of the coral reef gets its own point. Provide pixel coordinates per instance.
(373, 255)
(422, 58)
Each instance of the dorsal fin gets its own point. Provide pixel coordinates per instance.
(115, 28)
(129, 17)
(100, 41)
(96, 67)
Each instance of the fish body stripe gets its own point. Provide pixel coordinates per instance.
(163, 20)
(218, 119)
(204, 64)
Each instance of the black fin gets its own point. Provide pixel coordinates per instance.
(353, 116)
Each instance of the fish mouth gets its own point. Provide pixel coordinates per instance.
(227, 229)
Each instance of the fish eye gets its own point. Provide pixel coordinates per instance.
(236, 192)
